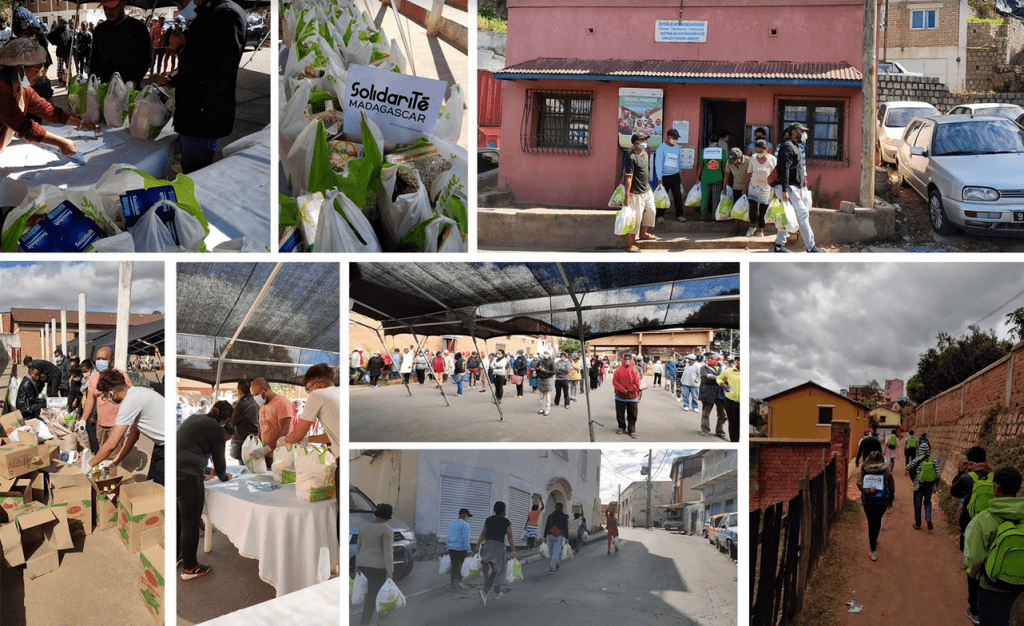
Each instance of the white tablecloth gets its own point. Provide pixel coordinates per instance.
(235, 191)
(313, 605)
(24, 165)
(290, 537)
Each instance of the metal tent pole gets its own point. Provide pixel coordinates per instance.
(241, 325)
(579, 327)
(472, 333)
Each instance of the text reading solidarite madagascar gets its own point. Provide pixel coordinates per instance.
(409, 104)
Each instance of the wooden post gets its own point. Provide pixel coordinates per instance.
(124, 304)
(433, 21)
(64, 332)
(805, 537)
(53, 338)
(869, 98)
(81, 326)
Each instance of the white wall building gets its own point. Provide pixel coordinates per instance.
(634, 502)
(718, 482)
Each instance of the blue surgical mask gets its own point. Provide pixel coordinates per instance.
(101, 365)
(189, 12)
(24, 80)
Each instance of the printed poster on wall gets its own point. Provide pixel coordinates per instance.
(640, 110)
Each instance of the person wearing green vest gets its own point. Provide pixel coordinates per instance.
(910, 447)
(925, 471)
(993, 544)
(973, 486)
(711, 172)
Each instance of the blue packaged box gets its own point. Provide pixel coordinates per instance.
(64, 229)
(137, 201)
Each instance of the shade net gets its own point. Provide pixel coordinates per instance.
(499, 299)
(296, 324)
(142, 339)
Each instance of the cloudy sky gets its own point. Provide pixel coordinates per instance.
(55, 285)
(619, 468)
(848, 323)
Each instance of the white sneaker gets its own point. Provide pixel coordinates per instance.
(681, 218)
(661, 219)
(679, 400)
(751, 231)
(874, 555)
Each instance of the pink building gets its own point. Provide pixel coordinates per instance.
(893, 390)
(734, 64)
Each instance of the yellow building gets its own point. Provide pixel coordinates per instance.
(887, 419)
(808, 410)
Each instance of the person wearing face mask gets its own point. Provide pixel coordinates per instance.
(88, 369)
(275, 414)
(639, 196)
(760, 134)
(761, 176)
(205, 83)
(791, 171)
(120, 44)
(710, 172)
(712, 396)
(667, 159)
(95, 406)
(140, 410)
(21, 63)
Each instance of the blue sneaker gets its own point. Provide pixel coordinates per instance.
(815, 249)
(778, 248)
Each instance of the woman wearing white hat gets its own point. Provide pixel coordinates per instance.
(21, 62)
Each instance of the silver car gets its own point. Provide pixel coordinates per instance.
(969, 171)
(360, 511)
(891, 122)
(1009, 111)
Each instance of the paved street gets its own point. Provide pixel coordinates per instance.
(388, 413)
(656, 578)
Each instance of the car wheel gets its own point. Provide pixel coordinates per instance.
(937, 213)
(900, 178)
(403, 570)
(732, 551)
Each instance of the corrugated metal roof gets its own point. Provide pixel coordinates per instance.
(786, 70)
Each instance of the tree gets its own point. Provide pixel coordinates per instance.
(569, 346)
(953, 360)
(1015, 321)
(720, 342)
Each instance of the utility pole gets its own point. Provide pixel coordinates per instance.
(868, 104)
(650, 460)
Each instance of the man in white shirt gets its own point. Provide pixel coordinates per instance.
(140, 410)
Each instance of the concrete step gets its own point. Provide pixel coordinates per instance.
(692, 242)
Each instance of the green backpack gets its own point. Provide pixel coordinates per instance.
(911, 442)
(927, 471)
(1005, 561)
(981, 493)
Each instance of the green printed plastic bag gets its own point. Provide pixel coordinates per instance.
(185, 191)
(363, 172)
(618, 196)
(776, 213)
(724, 210)
(78, 92)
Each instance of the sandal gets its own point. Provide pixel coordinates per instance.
(633, 435)
(619, 431)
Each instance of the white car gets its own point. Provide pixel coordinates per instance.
(891, 121)
(969, 171)
(1009, 111)
(894, 67)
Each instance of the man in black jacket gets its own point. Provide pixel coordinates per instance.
(790, 171)
(28, 400)
(868, 444)
(120, 44)
(245, 419)
(49, 375)
(61, 38)
(556, 530)
(205, 82)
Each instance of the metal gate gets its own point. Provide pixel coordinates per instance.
(457, 493)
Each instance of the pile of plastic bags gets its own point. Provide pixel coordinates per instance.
(357, 193)
(118, 105)
(127, 210)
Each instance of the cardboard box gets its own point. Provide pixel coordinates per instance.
(151, 580)
(35, 539)
(105, 494)
(9, 422)
(141, 507)
(74, 493)
(18, 459)
(152, 537)
(14, 493)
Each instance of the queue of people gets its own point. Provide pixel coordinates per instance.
(991, 517)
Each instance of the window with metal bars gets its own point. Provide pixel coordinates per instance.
(557, 122)
(826, 126)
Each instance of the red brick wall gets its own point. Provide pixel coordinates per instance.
(777, 465)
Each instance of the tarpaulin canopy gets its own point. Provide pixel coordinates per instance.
(500, 299)
(142, 339)
(257, 320)
(166, 4)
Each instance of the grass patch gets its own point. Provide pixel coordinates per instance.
(823, 601)
(985, 20)
(984, 9)
(491, 24)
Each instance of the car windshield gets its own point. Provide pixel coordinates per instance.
(731, 521)
(898, 118)
(358, 503)
(1009, 111)
(978, 137)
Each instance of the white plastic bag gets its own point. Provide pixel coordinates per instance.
(723, 211)
(293, 118)
(314, 473)
(449, 124)
(150, 114)
(728, 192)
(509, 576)
(93, 106)
(115, 103)
(348, 231)
(389, 597)
(402, 213)
(357, 588)
(152, 234)
(45, 198)
(694, 197)
(807, 197)
(121, 242)
(615, 541)
(661, 200)
(444, 565)
(566, 552)
(471, 566)
(452, 240)
(586, 535)
(254, 453)
(545, 550)
(741, 210)
(283, 467)
(618, 196)
(792, 224)
(625, 220)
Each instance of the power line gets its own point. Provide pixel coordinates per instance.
(993, 312)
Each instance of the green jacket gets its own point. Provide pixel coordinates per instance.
(982, 531)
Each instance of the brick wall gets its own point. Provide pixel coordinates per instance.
(946, 32)
(929, 89)
(990, 48)
(777, 465)
(953, 430)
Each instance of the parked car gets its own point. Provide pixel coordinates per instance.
(487, 168)
(673, 524)
(891, 122)
(969, 171)
(711, 527)
(894, 67)
(1020, 120)
(360, 511)
(1009, 111)
(726, 539)
(255, 32)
